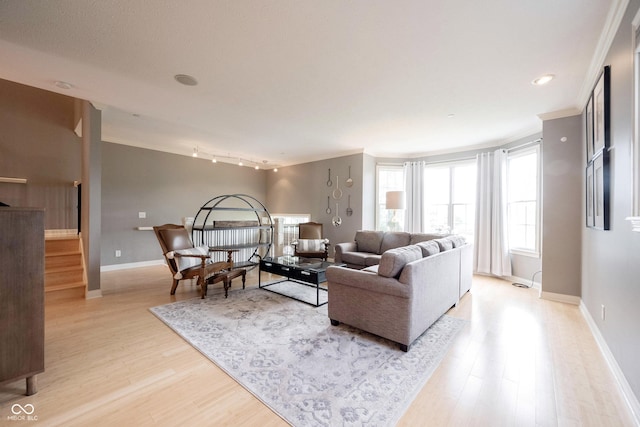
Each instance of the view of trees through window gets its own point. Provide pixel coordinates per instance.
(450, 195)
(390, 178)
(522, 200)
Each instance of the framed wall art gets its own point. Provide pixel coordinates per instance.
(589, 128)
(597, 140)
(589, 196)
(601, 186)
(601, 111)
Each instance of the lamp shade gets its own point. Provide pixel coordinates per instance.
(395, 200)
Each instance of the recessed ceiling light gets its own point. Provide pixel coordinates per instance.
(63, 85)
(450, 116)
(543, 80)
(186, 79)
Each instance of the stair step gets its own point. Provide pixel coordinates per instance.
(64, 272)
(63, 259)
(61, 244)
(60, 275)
(72, 285)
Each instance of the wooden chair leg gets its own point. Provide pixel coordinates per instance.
(227, 285)
(203, 287)
(244, 277)
(174, 286)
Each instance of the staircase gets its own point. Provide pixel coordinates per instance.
(64, 268)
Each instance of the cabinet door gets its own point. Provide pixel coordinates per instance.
(21, 293)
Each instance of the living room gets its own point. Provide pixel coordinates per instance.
(582, 266)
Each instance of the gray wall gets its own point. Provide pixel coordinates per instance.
(302, 189)
(167, 187)
(37, 142)
(611, 259)
(563, 206)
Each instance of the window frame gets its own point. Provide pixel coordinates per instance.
(379, 167)
(450, 165)
(535, 253)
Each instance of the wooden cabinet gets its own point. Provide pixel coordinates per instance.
(21, 295)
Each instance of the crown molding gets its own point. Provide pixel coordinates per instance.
(612, 23)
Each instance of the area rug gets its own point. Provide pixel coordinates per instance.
(309, 372)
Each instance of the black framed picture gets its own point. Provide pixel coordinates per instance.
(601, 111)
(590, 206)
(601, 188)
(589, 128)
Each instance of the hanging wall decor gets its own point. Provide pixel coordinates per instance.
(597, 140)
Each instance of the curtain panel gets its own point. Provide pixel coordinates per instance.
(414, 197)
(491, 249)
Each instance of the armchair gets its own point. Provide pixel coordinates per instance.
(187, 262)
(311, 243)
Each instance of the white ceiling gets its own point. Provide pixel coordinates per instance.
(290, 81)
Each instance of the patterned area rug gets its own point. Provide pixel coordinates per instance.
(310, 373)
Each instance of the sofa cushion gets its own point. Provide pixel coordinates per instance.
(393, 261)
(372, 259)
(428, 248)
(394, 239)
(444, 243)
(369, 241)
(355, 258)
(423, 237)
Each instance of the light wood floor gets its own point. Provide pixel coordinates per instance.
(521, 361)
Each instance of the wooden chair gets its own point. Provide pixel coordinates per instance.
(187, 262)
(311, 242)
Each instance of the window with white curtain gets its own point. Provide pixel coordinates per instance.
(523, 209)
(390, 178)
(450, 193)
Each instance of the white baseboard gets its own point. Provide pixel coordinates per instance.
(125, 266)
(627, 392)
(515, 279)
(568, 299)
(96, 293)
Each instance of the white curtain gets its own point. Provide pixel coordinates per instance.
(491, 243)
(414, 197)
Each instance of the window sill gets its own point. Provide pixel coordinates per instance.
(522, 252)
(635, 222)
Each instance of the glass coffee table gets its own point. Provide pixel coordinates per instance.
(301, 278)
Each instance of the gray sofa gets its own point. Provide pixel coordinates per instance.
(368, 246)
(406, 293)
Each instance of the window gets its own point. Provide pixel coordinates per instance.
(390, 178)
(450, 195)
(522, 200)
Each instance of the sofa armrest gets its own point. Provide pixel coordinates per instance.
(340, 248)
(366, 280)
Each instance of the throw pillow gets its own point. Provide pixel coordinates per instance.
(187, 262)
(310, 245)
(457, 240)
(445, 244)
(394, 260)
(429, 248)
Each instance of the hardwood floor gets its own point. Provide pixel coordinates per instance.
(521, 361)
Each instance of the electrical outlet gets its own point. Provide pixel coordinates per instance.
(602, 312)
(118, 253)
(142, 214)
